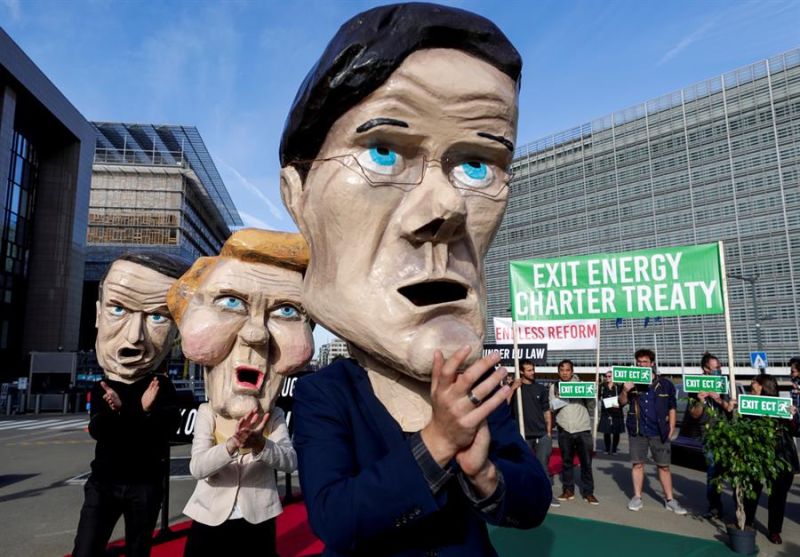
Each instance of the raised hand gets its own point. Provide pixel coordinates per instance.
(458, 407)
(149, 396)
(111, 397)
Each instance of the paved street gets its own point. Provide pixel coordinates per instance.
(40, 499)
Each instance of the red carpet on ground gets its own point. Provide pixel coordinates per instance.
(295, 538)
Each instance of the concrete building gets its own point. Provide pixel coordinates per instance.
(154, 187)
(330, 351)
(46, 149)
(719, 160)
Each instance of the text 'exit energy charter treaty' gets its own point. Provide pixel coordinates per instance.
(668, 281)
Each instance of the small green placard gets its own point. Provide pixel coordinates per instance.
(577, 389)
(770, 406)
(632, 374)
(705, 384)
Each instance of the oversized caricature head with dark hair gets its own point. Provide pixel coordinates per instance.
(395, 163)
(135, 330)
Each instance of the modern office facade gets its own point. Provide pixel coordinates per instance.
(719, 160)
(336, 348)
(154, 187)
(46, 149)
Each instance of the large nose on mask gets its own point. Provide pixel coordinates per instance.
(254, 333)
(134, 333)
(436, 211)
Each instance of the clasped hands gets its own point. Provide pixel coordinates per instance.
(249, 433)
(115, 403)
(458, 427)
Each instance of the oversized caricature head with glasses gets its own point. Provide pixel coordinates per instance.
(240, 316)
(396, 159)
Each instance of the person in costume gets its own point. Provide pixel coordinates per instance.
(395, 166)
(240, 315)
(134, 406)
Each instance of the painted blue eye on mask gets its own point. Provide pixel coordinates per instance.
(231, 303)
(286, 312)
(472, 175)
(382, 160)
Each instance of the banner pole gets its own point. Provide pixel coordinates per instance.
(517, 378)
(597, 384)
(728, 334)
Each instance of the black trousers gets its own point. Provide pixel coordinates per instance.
(231, 537)
(104, 503)
(611, 442)
(776, 504)
(570, 444)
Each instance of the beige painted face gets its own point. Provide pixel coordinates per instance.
(398, 271)
(245, 323)
(134, 329)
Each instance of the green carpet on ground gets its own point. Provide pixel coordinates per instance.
(563, 536)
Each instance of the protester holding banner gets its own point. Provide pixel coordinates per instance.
(765, 385)
(651, 423)
(697, 417)
(574, 436)
(611, 423)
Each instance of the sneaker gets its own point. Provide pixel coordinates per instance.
(635, 504)
(555, 503)
(591, 499)
(674, 506)
(567, 495)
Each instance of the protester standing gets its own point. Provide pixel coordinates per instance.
(696, 419)
(574, 437)
(537, 416)
(611, 423)
(651, 423)
(765, 385)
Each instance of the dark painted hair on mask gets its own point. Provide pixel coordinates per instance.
(168, 265)
(367, 49)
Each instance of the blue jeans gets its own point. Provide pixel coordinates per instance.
(712, 471)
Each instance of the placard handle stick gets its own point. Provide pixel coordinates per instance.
(597, 385)
(517, 378)
(728, 334)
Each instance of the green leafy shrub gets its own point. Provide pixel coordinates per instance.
(744, 449)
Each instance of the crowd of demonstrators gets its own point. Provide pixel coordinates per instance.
(537, 416)
(696, 418)
(574, 428)
(611, 423)
(651, 423)
(765, 385)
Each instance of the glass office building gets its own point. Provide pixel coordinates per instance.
(719, 160)
(154, 187)
(46, 148)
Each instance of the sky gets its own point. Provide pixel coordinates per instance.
(232, 68)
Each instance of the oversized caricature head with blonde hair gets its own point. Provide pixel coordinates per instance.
(240, 315)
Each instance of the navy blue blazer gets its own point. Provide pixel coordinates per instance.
(365, 492)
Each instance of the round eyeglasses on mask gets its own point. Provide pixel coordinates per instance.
(383, 166)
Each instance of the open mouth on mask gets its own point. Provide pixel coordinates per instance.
(434, 292)
(129, 353)
(249, 378)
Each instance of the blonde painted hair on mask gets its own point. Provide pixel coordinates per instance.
(281, 249)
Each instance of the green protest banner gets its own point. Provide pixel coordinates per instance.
(632, 374)
(577, 389)
(705, 384)
(770, 406)
(666, 281)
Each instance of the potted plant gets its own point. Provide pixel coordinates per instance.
(744, 448)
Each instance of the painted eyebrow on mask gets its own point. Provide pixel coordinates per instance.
(506, 143)
(375, 122)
